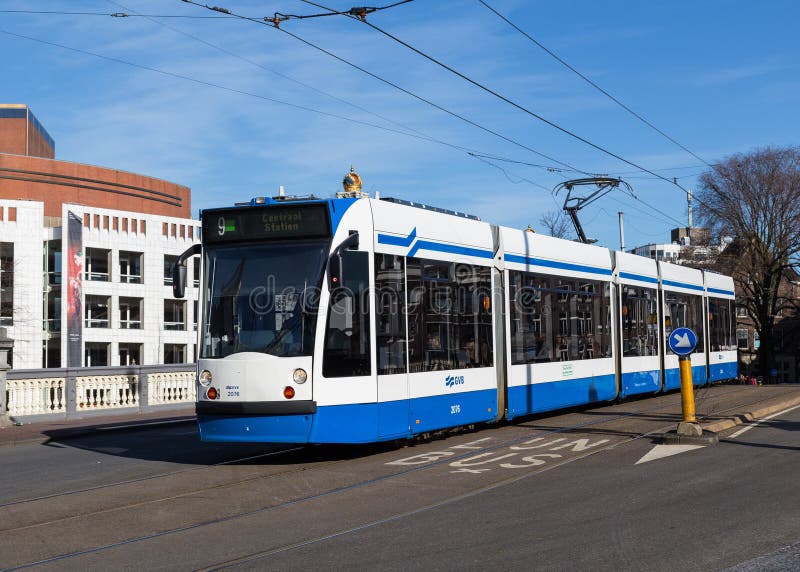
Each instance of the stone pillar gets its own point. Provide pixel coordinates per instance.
(6, 345)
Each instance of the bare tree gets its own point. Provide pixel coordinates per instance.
(556, 224)
(754, 199)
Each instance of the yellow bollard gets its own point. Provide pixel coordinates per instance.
(687, 389)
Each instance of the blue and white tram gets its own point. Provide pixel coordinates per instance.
(361, 320)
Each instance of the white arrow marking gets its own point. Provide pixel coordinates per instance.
(683, 341)
(661, 451)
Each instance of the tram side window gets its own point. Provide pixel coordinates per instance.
(721, 324)
(449, 315)
(390, 301)
(347, 346)
(558, 319)
(532, 328)
(684, 310)
(639, 321)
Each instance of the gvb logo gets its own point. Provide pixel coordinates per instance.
(453, 380)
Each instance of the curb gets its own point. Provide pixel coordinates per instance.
(740, 418)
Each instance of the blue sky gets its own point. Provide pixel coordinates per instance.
(719, 77)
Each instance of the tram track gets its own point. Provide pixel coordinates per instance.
(327, 493)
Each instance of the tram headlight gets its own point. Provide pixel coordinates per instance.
(288, 392)
(212, 393)
(205, 378)
(300, 375)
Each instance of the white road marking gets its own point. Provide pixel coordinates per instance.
(661, 451)
(755, 424)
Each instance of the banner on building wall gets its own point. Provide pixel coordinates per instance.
(74, 290)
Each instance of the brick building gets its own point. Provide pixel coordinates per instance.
(84, 257)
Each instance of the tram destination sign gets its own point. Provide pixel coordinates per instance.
(265, 223)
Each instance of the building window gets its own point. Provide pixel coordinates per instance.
(196, 270)
(169, 260)
(124, 225)
(97, 311)
(741, 311)
(96, 354)
(742, 339)
(130, 267)
(51, 355)
(174, 353)
(130, 313)
(52, 311)
(6, 284)
(97, 264)
(130, 354)
(195, 314)
(174, 315)
(142, 227)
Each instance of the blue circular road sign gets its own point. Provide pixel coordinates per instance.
(682, 341)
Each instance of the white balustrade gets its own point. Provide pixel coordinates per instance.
(106, 392)
(171, 387)
(36, 396)
(48, 395)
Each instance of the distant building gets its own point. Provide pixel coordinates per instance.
(690, 245)
(666, 252)
(84, 257)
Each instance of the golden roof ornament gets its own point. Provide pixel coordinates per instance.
(352, 186)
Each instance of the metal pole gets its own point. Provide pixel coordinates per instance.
(687, 389)
(621, 232)
(689, 427)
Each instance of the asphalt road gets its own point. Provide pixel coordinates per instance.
(585, 490)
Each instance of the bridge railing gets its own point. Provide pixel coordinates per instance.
(67, 393)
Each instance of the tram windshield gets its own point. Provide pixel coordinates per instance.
(262, 298)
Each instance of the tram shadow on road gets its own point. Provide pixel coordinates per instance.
(183, 446)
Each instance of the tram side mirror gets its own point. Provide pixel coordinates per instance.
(178, 280)
(335, 272)
(179, 271)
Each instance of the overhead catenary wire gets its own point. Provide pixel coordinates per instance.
(513, 103)
(293, 80)
(218, 86)
(305, 108)
(238, 91)
(109, 14)
(506, 173)
(594, 85)
(390, 83)
(230, 13)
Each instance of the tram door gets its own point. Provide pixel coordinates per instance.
(391, 343)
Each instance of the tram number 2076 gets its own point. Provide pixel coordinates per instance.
(455, 409)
